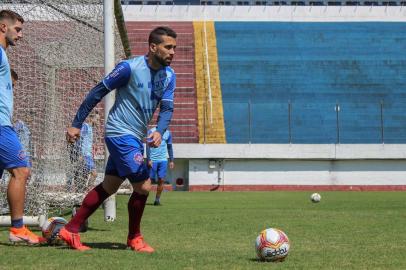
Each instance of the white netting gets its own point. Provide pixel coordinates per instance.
(58, 60)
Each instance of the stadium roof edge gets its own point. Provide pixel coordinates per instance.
(265, 13)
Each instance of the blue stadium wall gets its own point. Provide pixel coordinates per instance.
(305, 82)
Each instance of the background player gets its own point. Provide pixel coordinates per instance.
(158, 162)
(86, 147)
(142, 83)
(81, 158)
(21, 128)
(12, 155)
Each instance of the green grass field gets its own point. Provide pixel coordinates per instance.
(346, 230)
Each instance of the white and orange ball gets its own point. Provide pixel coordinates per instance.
(51, 228)
(272, 245)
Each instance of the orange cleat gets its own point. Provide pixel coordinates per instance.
(139, 245)
(72, 239)
(24, 235)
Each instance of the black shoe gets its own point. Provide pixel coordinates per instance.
(157, 203)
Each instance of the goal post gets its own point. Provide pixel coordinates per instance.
(109, 205)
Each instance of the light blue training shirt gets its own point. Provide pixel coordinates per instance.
(161, 153)
(137, 99)
(6, 90)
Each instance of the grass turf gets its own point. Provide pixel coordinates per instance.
(346, 230)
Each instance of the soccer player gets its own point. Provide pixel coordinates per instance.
(12, 156)
(22, 130)
(81, 156)
(158, 162)
(86, 148)
(24, 134)
(142, 83)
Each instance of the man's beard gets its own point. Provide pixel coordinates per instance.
(10, 41)
(161, 61)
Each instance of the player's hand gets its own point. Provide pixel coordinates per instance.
(72, 134)
(154, 139)
(149, 164)
(171, 165)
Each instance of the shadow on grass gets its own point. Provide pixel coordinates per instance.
(256, 260)
(106, 245)
(23, 245)
(153, 204)
(95, 230)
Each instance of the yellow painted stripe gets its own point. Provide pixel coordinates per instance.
(210, 117)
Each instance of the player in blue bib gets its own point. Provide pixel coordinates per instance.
(142, 83)
(12, 155)
(158, 162)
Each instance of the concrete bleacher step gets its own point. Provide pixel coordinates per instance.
(181, 99)
(183, 133)
(183, 121)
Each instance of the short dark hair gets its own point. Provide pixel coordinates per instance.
(10, 15)
(155, 35)
(14, 75)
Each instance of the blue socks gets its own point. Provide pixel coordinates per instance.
(17, 223)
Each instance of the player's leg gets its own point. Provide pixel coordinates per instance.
(13, 158)
(161, 171)
(70, 174)
(136, 206)
(92, 178)
(16, 198)
(139, 178)
(159, 189)
(153, 172)
(91, 171)
(91, 202)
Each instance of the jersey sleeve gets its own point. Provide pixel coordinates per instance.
(166, 107)
(95, 96)
(118, 77)
(170, 89)
(169, 140)
(170, 151)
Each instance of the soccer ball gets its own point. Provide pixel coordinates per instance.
(50, 230)
(315, 197)
(272, 245)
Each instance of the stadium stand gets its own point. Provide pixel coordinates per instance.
(312, 82)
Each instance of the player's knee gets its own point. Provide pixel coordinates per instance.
(21, 173)
(142, 187)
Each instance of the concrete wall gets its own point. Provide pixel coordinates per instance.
(291, 167)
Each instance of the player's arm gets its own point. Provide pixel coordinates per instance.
(170, 151)
(119, 77)
(148, 150)
(165, 114)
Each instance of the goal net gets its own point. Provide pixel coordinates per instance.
(58, 60)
